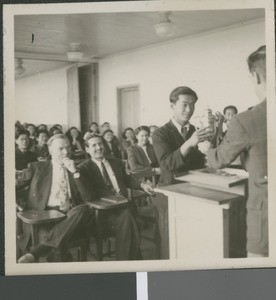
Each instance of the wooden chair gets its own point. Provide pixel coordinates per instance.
(147, 212)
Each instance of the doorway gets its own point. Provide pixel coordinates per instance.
(88, 91)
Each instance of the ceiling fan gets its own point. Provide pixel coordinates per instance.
(74, 55)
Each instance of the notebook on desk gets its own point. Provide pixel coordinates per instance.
(117, 198)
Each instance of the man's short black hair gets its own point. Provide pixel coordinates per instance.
(257, 61)
(90, 136)
(182, 90)
(230, 107)
(20, 132)
(140, 128)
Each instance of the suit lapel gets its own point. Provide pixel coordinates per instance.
(45, 181)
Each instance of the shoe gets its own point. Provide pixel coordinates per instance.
(26, 259)
(59, 256)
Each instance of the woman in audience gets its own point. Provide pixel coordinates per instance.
(93, 128)
(76, 143)
(42, 127)
(111, 146)
(32, 138)
(59, 127)
(23, 156)
(128, 140)
(74, 137)
(106, 126)
(141, 156)
(54, 130)
(152, 128)
(41, 148)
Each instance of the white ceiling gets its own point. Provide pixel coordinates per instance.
(47, 37)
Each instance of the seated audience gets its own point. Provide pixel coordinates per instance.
(152, 128)
(128, 140)
(59, 127)
(41, 148)
(111, 146)
(32, 138)
(56, 185)
(93, 128)
(42, 127)
(23, 156)
(106, 126)
(106, 176)
(76, 142)
(229, 112)
(54, 130)
(141, 156)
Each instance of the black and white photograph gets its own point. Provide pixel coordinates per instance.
(139, 136)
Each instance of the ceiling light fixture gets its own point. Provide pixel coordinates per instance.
(74, 54)
(165, 27)
(19, 69)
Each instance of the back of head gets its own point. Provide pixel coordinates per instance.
(257, 62)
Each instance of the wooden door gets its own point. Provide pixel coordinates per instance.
(128, 107)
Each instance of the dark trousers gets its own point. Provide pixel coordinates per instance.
(74, 224)
(122, 223)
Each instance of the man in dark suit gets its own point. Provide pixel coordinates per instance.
(105, 176)
(55, 185)
(247, 135)
(175, 143)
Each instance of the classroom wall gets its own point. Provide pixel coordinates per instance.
(213, 64)
(42, 98)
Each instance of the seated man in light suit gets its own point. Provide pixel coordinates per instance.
(55, 185)
(247, 135)
(103, 176)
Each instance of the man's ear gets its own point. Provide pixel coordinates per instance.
(172, 105)
(256, 77)
(87, 149)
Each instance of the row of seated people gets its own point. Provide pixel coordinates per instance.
(31, 145)
(58, 184)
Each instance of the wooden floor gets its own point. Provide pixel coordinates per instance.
(147, 247)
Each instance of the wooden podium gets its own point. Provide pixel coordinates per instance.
(206, 216)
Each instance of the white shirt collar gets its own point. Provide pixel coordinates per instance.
(98, 162)
(178, 126)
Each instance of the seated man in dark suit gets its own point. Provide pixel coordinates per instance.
(103, 176)
(55, 185)
(175, 143)
(23, 156)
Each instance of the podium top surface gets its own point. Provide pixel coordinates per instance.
(186, 188)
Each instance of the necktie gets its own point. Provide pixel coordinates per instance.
(184, 131)
(63, 194)
(106, 178)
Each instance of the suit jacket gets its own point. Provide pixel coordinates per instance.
(115, 151)
(94, 183)
(166, 143)
(23, 159)
(40, 186)
(39, 191)
(247, 133)
(138, 160)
